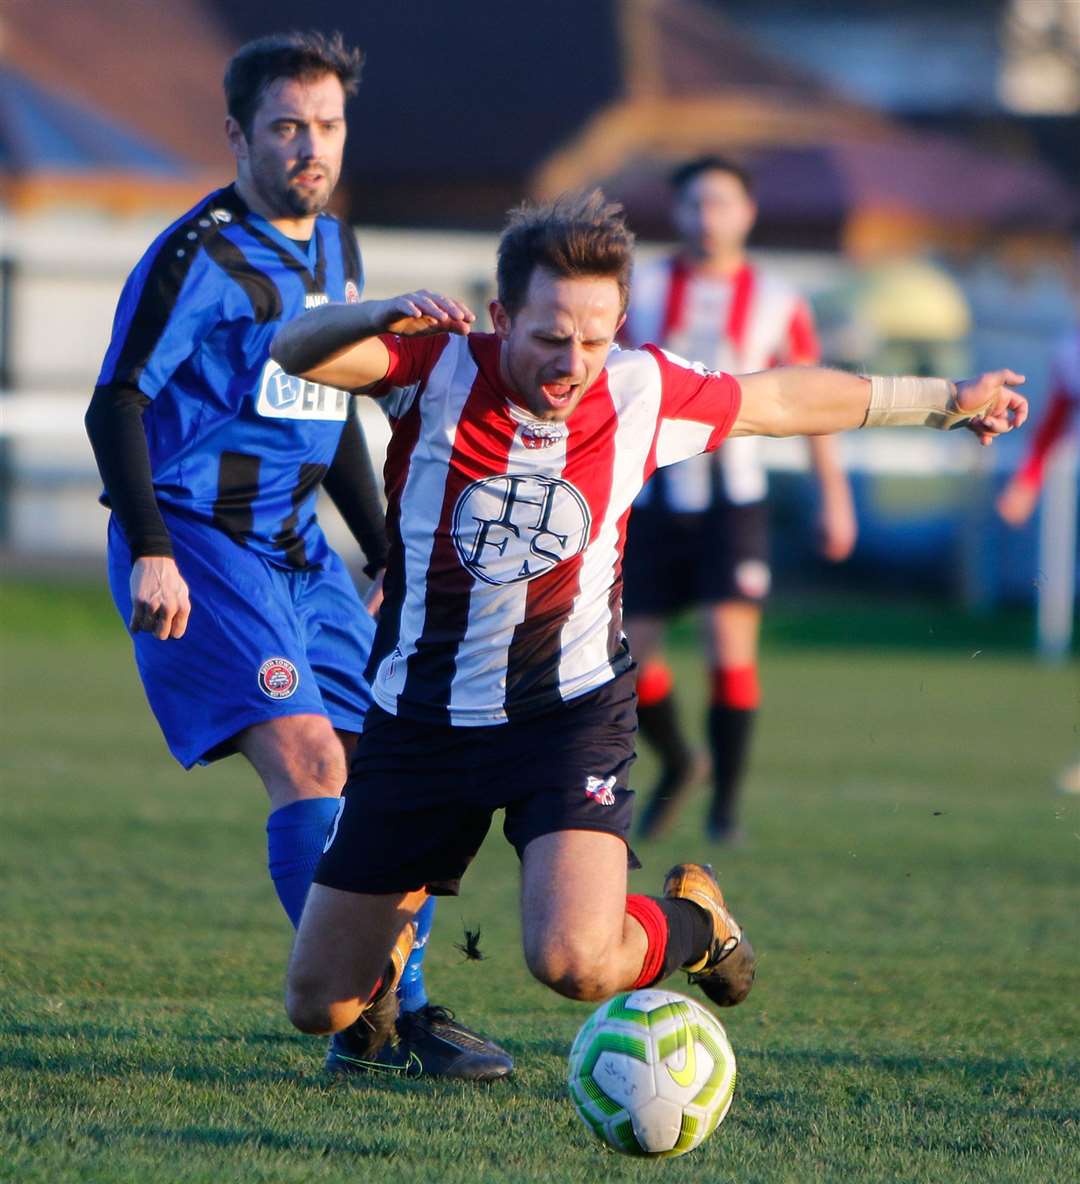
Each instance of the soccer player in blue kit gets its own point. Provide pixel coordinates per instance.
(248, 633)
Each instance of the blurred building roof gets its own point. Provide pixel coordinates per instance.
(40, 130)
(465, 109)
(153, 68)
(97, 107)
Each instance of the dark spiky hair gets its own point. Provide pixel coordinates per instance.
(577, 234)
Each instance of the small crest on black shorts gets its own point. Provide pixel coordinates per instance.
(278, 678)
(601, 789)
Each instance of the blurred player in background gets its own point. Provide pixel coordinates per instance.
(697, 534)
(501, 675)
(248, 633)
(1019, 498)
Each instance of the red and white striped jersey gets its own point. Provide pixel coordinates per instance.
(749, 321)
(504, 583)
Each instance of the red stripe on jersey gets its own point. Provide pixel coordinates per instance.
(482, 444)
(1050, 431)
(533, 661)
(411, 359)
(675, 304)
(803, 348)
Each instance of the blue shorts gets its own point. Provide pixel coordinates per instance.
(261, 643)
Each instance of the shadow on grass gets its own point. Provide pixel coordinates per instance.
(998, 1069)
(97, 1064)
(250, 1139)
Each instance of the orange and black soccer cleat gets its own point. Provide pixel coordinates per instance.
(726, 970)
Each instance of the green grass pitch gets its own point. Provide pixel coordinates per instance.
(910, 884)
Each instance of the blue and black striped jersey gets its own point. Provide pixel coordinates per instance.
(234, 441)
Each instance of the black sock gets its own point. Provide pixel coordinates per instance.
(689, 933)
(659, 723)
(730, 729)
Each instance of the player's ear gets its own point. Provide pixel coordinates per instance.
(500, 320)
(237, 140)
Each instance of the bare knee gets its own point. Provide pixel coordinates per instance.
(310, 1010)
(296, 757)
(571, 968)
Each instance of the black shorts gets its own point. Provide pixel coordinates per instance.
(674, 560)
(420, 796)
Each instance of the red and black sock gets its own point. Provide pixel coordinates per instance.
(678, 931)
(658, 722)
(735, 698)
(658, 718)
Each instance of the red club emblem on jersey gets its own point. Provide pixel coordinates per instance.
(352, 293)
(542, 435)
(278, 678)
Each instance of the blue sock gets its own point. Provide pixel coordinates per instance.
(412, 995)
(295, 836)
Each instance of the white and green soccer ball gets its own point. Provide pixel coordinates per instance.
(652, 1073)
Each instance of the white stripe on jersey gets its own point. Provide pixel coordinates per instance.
(701, 338)
(635, 392)
(450, 382)
(495, 612)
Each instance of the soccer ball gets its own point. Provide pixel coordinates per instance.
(652, 1073)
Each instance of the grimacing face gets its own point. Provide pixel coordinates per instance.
(292, 160)
(713, 214)
(555, 346)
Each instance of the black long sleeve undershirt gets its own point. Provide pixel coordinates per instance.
(114, 424)
(354, 489)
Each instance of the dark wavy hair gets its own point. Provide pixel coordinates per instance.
(577, 234)
(307, 55)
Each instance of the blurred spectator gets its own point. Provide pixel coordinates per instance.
(697, 535)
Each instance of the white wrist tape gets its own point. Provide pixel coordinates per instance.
(898, 402)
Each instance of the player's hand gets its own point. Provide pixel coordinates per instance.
(159, 598)
(422, 312)
(374, 598)
(1006, 408)
(1017, 502)
(837, 528)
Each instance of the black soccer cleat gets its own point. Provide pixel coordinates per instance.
(445, 1048)
(357, 1047)
(725, 972)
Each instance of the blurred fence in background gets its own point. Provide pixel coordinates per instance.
(925, 499)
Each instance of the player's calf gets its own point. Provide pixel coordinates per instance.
(321, 1012)
(341, 952)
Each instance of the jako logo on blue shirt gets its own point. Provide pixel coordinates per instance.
(284, 396)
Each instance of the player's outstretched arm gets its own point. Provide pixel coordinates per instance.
(338, 344)
(811, 401)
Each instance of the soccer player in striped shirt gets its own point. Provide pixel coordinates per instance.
(501, 675)
(248, 633)
(1018, 499)
(704, 521)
